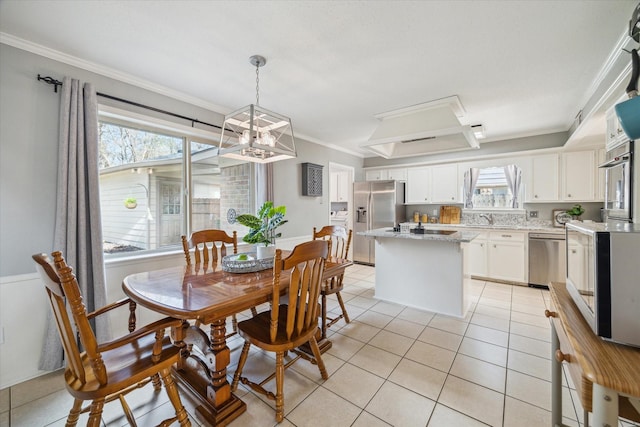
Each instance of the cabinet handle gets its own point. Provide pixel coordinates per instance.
(561, 357)
(612, 135)
(507, 235)
(568, 195)
(536, 196)
(494, 246)
(573, 251)
(482, 245)
(548, 313)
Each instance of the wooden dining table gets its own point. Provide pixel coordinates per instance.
(209, 297)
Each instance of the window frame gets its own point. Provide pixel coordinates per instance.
(188, 134)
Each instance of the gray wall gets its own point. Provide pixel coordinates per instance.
(538, 142)
(28, 155)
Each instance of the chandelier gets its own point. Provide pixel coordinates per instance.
(256, 134)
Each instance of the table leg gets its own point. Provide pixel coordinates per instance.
(556, 380)
(605, 406)
(206, 380)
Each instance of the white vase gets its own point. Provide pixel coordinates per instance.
(268, 251)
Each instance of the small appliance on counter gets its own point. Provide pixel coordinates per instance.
(602, 277)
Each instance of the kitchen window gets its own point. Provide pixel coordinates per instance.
(492, 188)
(159, 180)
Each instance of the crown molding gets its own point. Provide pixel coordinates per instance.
(93, 67)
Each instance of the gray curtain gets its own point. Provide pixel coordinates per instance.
(78, 230)
(264, 183)
(514, 177)
(470, 181)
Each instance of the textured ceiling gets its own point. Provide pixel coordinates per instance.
(519, 67)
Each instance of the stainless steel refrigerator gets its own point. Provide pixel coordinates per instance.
(376, 204)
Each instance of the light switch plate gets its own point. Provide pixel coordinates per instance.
(533, 214)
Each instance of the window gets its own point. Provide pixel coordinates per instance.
(491, 188)
(158, 183)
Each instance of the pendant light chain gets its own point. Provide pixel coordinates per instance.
(258, 83)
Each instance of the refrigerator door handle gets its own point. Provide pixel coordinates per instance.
(371, 213)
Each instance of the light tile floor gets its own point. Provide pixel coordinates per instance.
(392, 365)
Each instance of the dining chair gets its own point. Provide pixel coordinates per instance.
(107, 371)
(209, 247)
(287, 326)
(339, 242)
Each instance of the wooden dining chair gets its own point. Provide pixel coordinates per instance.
(107, 371)
(209, 247)
(287, 326)
(339, 242)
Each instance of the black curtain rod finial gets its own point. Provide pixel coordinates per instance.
(51, 81)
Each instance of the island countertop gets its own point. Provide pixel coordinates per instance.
(456, 236)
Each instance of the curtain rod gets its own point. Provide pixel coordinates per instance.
(56, 83)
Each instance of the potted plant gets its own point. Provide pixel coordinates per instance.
(130, 203)
(576, 211)
(262, 228)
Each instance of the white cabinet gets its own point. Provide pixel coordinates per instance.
(600, 156)
(339, 186)
(579, 176)
(507, 256)
(419, 185)
(444, 184)
(477, 255)
(375, 175)
(434, 184)
(396, 174)
(499, 255)
(544, 179)
(615, 133)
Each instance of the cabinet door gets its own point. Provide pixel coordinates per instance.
(333, 186)
(418, 185)
(342, 188)
(478, 257)
(376, 175)
(544, 178)
(507, 261)
(578, 176)
(399, 174)
(444, 184)
(601, 155)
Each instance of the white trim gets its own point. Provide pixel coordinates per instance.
(56, 55)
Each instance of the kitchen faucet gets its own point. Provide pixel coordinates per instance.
(488, 217)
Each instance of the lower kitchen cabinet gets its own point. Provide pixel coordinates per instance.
(499, 255)
(478, 255)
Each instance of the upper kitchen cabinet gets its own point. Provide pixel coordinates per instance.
(419, 185)
(395, 174)
(544, 179)
(615, 133)
(339, 186)
(579, 172)
(434, 184)
(445, 187)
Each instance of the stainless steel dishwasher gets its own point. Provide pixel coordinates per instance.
(547, 259)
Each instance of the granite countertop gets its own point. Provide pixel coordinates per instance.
(485, 227)
(457, 235)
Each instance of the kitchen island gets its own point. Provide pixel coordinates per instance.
(425, 271)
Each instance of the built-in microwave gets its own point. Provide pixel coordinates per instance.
(618, 195)
(603, 277)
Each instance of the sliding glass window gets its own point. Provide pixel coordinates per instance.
(158, 184)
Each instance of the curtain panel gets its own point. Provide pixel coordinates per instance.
(470, 181)
(514, 178)
(78, 228)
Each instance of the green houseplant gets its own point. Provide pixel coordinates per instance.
(262, 228)
(576, 211)
(130, 203)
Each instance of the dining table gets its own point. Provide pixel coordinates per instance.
(202, 296)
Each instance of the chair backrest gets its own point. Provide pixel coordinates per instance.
(305, 266)
(339, 239)
(206, 251)
(61, 284)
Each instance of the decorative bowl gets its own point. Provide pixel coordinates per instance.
(237, 264)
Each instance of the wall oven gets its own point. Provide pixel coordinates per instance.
(619, 183)
(602, 277)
